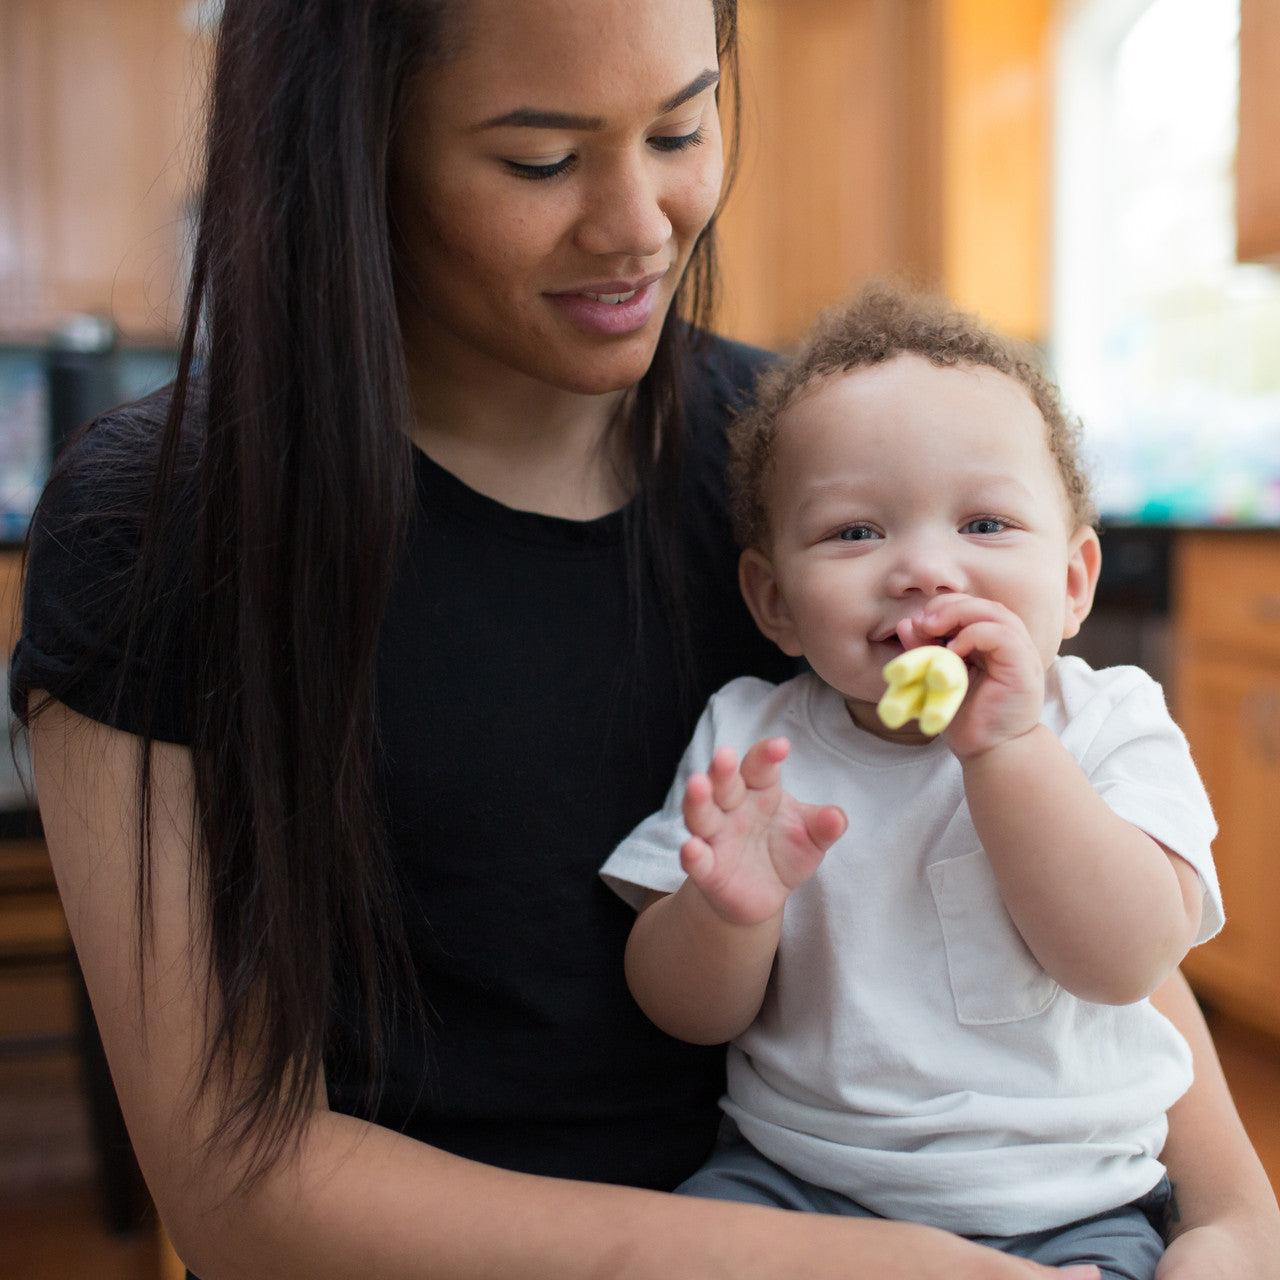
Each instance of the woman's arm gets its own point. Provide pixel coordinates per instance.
(1226, 1224)
(353, 1199)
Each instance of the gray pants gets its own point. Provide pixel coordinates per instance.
(1124, 1243)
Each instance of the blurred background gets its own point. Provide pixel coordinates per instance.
(1100, 177)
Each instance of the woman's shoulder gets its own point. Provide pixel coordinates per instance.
(723, 374)
(80, 597)
(101, 487)
(721, 377)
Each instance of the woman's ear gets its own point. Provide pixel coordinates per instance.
(1084, 563)
(763, 594)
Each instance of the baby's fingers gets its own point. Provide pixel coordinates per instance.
(727, 787)
(762, 765)
(825, 824)
(702, 815)
(698, 860)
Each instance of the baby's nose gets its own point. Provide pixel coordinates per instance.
(925, 568)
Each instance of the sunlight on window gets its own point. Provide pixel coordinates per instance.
(1168, 347)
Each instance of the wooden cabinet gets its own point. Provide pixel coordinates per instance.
(1258, 153)
(1227, 698)
(98, 107)
(888, 138)
(839, 176)
(881, 138)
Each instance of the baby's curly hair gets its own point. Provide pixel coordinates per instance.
(882, 322)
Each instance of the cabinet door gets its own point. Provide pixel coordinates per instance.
(1231, 715)
(840, 177)
(888, 138)
(1257, 155)
(99, 101)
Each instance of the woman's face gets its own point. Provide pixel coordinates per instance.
(549, 184)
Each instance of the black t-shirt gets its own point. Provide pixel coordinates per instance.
(522, 733)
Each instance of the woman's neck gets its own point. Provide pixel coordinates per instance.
(525, 444)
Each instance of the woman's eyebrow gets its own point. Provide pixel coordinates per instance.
(532, 118)
(695, 86)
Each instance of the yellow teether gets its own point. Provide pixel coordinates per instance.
(926, 684)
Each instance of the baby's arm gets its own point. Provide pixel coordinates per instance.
(698, 960)
(1106, 910)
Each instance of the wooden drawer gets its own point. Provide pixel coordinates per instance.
(1231, 714)
(10, 600)
(1227, 592)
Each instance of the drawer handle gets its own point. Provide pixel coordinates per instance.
(1261, 712)
(1267, 609)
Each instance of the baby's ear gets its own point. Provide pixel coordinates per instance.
(1084, 563)
(763, 594)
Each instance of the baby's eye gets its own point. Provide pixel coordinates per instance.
(857, 533)
(987, 525)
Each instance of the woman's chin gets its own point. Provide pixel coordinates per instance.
(607, 372)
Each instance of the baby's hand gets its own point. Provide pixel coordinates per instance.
(1006, 673)
(751, 843)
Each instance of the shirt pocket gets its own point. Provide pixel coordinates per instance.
(994, 977)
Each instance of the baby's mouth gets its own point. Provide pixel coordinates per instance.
(904, 634)
(908, 634)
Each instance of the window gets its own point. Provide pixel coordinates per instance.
(1167, 347)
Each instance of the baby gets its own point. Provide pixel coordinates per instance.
(935, 992)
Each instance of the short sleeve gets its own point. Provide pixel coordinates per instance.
(1139, 762)
(649, 858)
(79, 587)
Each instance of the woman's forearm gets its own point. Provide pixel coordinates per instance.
(357, 1200)
(1216, 1173)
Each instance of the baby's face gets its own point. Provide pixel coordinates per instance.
(901, 481)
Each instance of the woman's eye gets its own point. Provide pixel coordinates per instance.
(540, 172)
(680, 142)
(986, 525)
(857, 533)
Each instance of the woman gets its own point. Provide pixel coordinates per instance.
(331, 656)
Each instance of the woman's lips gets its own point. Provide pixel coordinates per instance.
(609, 311)
(613, 299)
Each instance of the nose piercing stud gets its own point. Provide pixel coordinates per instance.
(928, 684)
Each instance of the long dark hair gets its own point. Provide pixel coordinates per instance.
(286, 437)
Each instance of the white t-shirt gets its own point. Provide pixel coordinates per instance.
(910, 1052)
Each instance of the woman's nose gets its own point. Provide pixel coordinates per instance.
(624, 215)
